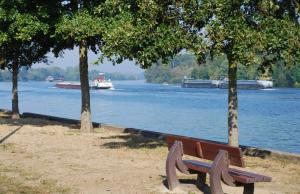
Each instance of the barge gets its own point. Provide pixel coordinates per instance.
(98, 83)
(198, 83)
(241, 84)
(249, 84)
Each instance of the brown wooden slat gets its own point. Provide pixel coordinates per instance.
(197, 165)
(257, 177)
(209, 150)
(238, 175)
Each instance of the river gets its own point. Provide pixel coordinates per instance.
(267, 118)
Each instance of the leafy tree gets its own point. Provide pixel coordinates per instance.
(22, 39)
(79, 26)
(246, 32)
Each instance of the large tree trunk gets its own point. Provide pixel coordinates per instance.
(86, 121)
(233, 132)
(15, 99)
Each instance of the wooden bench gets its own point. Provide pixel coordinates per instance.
(222, 156)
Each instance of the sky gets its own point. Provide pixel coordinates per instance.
(70, 58)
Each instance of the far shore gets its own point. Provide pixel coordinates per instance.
(39, 155)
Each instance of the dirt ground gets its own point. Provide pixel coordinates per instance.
(41, 156)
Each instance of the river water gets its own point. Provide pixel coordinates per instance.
(267, 118)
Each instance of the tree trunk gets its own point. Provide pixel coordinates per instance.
(15, 99)
(86, 121)
(232, 104)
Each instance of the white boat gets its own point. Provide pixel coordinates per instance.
(52, 79)
(101, 83)
(49, 79)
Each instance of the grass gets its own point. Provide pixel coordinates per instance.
(15, 180)
(11, 148)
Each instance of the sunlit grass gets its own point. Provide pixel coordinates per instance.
(15, 180)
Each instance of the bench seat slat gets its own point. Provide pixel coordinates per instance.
(238, 175)
(197, 165)
(257, 177)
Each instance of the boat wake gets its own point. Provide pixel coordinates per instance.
(268, 89)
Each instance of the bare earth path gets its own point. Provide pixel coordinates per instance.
(39, 156)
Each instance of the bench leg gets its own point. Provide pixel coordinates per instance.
(219, 172)
(173, 161)
(249, 188)
(171, 175)
(215, 182)
(201, 179)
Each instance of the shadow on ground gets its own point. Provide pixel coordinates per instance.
(255, 152)
(205, 188)
(5, 118)
(10, 134)
(133, 141)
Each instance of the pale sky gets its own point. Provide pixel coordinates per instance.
(71, 58)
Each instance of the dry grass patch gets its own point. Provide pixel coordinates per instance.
(15, 180)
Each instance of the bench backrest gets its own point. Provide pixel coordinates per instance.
(207, 150)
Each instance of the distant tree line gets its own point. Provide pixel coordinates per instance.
(216, 69)
(69, 74)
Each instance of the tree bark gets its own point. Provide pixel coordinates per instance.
(15, 98)
(233, 132)
(86, 121)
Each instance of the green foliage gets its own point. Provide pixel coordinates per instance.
(25, 26)
(248, 32)
(145, 31)
(78, 22)
(78, 26)
(24, 33)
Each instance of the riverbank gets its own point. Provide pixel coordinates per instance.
(44, 156)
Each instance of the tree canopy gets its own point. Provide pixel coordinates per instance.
(144, 31)
(22, 34)
(24, 38)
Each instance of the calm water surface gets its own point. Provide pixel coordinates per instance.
(267, 118)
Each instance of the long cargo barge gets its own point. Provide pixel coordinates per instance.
(241, 84)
